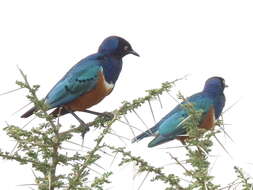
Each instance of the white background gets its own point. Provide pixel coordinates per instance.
(174, 38)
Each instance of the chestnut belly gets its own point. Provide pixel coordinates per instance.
(207, 123)
(92, 97)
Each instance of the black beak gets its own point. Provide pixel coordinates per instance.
(226, 86)
(134, 53)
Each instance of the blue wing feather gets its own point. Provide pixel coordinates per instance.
(80, 79)
(172, 121)
(169, 127)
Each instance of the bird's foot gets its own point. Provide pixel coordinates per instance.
(85, 129)
(82, 124)
(108, 115)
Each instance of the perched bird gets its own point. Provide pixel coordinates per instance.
(210, 101)
(90, 80)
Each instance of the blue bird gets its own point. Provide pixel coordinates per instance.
(89, 81)
(210, 101)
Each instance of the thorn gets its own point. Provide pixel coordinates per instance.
(223, 147)
(213, 164)
(174, 163)
(236, 102)
(10, 91)
(113, 159)
(88, 148)
(20, 185)
(176, 100)
(159, 99)
(120, 138)
(141, 119)
(182, 146)
(34, 174)
(150, 107)
(20, 109)
(15, 146)
(201, 149)
(129, 125)
(145, 177)
(223, 129)
(24, 126)
(119, 135)
(94, 170)
(99, 166)
(70, 149)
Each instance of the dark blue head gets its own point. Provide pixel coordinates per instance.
(116, 46)
(215, 85)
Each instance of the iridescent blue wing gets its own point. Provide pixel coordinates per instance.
(80, 79)
(172, 126)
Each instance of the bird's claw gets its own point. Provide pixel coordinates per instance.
(108, 115)
(85, 129)
(84, 132)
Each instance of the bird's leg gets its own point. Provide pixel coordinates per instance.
(182, 139)
(109, 115)
(84, 125)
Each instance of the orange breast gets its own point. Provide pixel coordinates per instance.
(207, 123)
(92, 97)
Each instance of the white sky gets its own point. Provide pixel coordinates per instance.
(174, 38)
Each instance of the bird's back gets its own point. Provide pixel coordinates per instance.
(170, 126)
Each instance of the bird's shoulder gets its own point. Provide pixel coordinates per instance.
(171, 124)
(85, 66)
(206, 101)
(80, 79)
(199, 101)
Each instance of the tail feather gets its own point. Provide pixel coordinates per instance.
(59, 112)
(29, 112)
(56, 112)
(145, 134)
(159, 140)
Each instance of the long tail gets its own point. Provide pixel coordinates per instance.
(159, 140)
(29, 112)
(57, 112)
(145, 134)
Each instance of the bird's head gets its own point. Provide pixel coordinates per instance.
(116, 46)
(215, 85)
